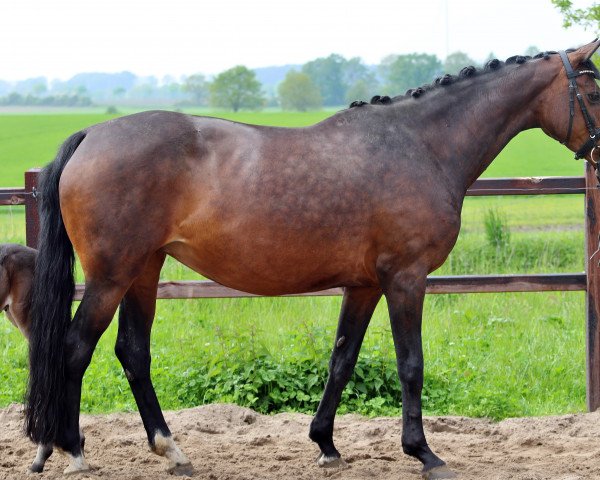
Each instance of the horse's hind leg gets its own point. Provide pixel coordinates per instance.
(93, 316)
(43, 453)
(357, 308)
(133, 350)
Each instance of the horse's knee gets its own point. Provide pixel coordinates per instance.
(342, 363)
(410, 371)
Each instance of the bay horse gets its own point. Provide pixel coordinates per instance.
(369, 200)
(17, 264)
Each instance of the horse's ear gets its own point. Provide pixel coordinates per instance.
(584, 53)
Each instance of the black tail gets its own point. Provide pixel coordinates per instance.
(51, 298)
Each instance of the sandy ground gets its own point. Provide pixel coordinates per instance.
(226, 442)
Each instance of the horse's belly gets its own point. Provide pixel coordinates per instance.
(278, 269)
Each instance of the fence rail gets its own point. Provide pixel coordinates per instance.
(12, 196)
(588, 281)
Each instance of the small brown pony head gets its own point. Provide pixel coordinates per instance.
(17, 264)
(559, 109)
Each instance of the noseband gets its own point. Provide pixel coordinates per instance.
(592, 143)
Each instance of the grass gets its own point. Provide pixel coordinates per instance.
(486, 355)
(494, 355)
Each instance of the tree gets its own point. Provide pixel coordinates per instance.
(39, 89)
(197, 86)
(328, 75)
(587, 17)
(532, 51)
(236, 88)
(356, 71)
(361, 90)
(401, 72)
(334, 75)
(456, 61)
(119, 92)
(361, 82)
(298, 92)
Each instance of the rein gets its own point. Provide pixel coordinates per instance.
(592, 143)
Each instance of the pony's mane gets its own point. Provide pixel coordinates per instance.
(466, 73)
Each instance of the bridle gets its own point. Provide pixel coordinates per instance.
(592, 143)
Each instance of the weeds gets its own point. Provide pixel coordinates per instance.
(497, 232)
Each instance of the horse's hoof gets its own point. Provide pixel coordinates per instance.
(181, 470)
(331, 462)
(70, 470)
(35, 468)
(439, 472)
(76, 465)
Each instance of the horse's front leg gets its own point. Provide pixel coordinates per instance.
(357, 308)
(405, 292)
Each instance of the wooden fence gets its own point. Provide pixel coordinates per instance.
(588, 281)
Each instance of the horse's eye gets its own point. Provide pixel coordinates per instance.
(594, 97)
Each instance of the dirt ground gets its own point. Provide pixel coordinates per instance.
(226, 442)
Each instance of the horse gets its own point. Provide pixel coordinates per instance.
(17, 265)
(369, 200)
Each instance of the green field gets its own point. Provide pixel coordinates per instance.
(492, 355)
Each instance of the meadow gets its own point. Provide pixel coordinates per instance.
(493, 355)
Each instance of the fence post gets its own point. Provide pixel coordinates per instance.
(592, 231)
(32, 221)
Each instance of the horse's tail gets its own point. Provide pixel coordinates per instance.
(51, 298)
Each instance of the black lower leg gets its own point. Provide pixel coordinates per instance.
(91, 320)
(43, 454)
(357, 308)
(405, 303)
(133, 351)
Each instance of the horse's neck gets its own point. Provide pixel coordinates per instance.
(470, 123)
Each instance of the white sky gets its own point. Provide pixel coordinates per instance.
(58, 38)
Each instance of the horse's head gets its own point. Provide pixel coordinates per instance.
(17, 265)
(6, 299)
(569, 109)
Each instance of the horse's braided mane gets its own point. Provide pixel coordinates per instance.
(447, 79)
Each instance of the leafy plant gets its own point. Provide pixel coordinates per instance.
(497, 231)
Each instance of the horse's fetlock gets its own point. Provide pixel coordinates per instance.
(318, 432)
(70, 444)
(411, 449)
(414, 447)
